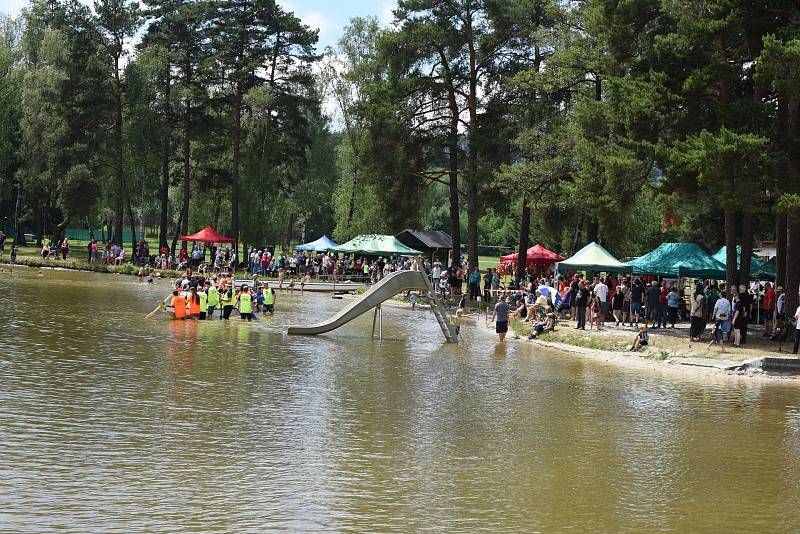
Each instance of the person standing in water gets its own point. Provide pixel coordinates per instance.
(226, 301)
(178, 304)
(194, 303)
(269, 300)
(500, 318)
(213, 299)
(203, 303)
(245, 301)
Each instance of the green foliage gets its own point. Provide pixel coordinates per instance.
(727, 162)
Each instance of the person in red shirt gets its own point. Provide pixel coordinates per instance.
(769, 309)
(182, 255)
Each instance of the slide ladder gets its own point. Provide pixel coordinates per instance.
(388, 287)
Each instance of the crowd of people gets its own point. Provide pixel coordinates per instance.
(644, 303)
(197, 297)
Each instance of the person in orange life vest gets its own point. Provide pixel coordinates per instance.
(194, 303)
(179, 305)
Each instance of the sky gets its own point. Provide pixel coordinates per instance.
(329, 16)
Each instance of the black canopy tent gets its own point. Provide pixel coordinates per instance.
(432, 243)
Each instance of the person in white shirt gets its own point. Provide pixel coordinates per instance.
(723, 305)
(601, 291)
(796, 330)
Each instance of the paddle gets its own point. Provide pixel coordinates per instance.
(159, 307)
(149, 315)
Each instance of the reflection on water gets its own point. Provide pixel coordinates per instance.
(110, 422)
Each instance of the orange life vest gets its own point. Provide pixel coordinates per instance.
(179, 303)
(194, 305)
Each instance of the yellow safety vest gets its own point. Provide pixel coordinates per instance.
(269, 297)
(227, 298)
(213, 296)
(245, 303)
(203, 301)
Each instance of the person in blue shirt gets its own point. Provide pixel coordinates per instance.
(474, 284)
(673, 300)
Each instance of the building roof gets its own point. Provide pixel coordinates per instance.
(429, 238)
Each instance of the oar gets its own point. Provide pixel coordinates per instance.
(159, 307)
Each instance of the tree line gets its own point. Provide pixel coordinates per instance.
(626, 123)
(174, 111)
(502, 121)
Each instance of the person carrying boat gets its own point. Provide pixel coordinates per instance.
(178, 304)
(245, 302)
(227, 300)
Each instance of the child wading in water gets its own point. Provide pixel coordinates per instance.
(721, 329)
(459, 320)
(642, 338)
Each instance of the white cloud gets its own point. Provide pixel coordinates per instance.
(314, 19)
(319, 21)
(385, 15)
(12, 7)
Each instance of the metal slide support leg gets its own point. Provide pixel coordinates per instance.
(380, 323)
(374, 319)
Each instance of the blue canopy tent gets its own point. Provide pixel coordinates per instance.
(320, 245)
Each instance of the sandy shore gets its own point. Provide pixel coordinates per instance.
(641, 361)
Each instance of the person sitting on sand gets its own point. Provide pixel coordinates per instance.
(642, 338)
(721, 328)
(520, 311)
(548, 325)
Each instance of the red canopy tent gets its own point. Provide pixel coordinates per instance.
(208, 235)
(537, 256)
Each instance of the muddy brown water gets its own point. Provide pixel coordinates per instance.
(113, 423)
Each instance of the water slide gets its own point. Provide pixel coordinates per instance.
(389, 286)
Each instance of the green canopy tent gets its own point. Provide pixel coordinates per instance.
(675, 260)
(376, 245)
(593, 257)
(768, 270)
(758, 269)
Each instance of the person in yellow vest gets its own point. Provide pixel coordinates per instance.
(245, 301)
(203, 303)
(212, 299)
(226, 300)
(269, 300)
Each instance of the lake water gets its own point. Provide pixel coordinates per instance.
(113, 423)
